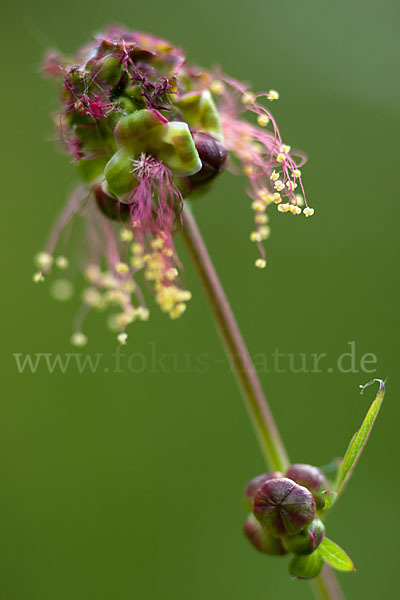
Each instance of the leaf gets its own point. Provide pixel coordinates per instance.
(360, 438)
(335, 556)
(306, 566)
(330, 497)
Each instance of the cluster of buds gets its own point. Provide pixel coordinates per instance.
(146, 130)
(286, 510)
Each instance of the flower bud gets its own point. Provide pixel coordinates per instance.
(283, 507)
(109, 206)
(255, 483)
(311, 478)
(307, 540)
(261, 539)
(118, 173)
(212, 155)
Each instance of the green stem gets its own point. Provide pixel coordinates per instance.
(260, 414)
(325, 585)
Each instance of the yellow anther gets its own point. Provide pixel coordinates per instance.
(274, 176)
(283, 208)
(143, 313)
(263, 195)
(279, 186)
(248, 98)
(249, 170)
(261, 219)
(177, 311)
(137, 262)
(92, 273)
(291, 185)
(137, 249)
(217, 87)
(184, 295)
(264, 233)
(108, 281)
(284, 148)
(117, 297)
(273, 95)
(255, 236)
(262, 120)
(308, 211)
(126, 235)
(122, 337)
(258, 206)
(125, 318)
(62, 262)
(261, 263)
(295, 210)
(171, 274)
(44, 260)
(122, 268)
(299, 199)
(168, 252)
(297, 172)
(79, 339)
(281, 157)
(38, 277)
(157, 243)
(276, 198)
(91, 297)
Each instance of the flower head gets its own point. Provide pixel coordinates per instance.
(146, 130)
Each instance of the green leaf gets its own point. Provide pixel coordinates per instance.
(335, 556)
(330, 498)
(306, 566)
(360, 438)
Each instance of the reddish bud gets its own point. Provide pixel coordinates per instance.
(283, 507)
(212, 155)
(261, 539)
(255, 483)
(311, 478)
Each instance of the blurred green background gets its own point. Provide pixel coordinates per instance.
(129, 485)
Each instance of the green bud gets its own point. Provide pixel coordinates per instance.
(135, 131)
(200, 111)
(146, 131)
(283, 507)
(109, 71)
(261, 539)
(177, 150)
(135, 93)
(126, 104)
(307, 540)
(91, 169)
(118, 174)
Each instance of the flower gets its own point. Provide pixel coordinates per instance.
(146, 130)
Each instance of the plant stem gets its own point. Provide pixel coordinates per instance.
(260, 414)
(325, 586)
